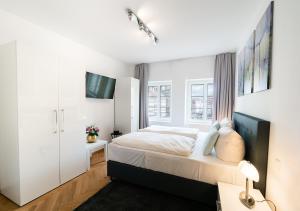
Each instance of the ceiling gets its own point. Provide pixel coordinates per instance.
(185, 28)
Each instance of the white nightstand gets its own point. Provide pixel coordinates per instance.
(94, 147)
(229, 198)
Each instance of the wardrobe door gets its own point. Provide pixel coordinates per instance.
(38, 117)
(135, 83)
(72, 127)
(123, 105)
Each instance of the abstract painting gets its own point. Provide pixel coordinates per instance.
(241, 68)
(249, 65)
(263, 51)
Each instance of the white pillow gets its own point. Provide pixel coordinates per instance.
(210, 141)
(225, 123)
(216, 125)
(230, 145)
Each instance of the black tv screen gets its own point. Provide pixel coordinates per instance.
(99, 86)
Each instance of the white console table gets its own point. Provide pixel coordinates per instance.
(94, 147)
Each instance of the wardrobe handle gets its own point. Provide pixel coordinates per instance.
(62, 120)
(55, 112)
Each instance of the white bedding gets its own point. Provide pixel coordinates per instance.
(196, 166)
(164, 143)
(188, 132)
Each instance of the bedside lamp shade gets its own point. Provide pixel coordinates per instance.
(249, 170)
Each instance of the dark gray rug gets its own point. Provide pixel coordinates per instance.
(121, 196)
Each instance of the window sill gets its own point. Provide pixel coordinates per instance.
(160, 120)
(209, 122)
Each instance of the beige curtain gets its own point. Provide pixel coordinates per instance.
(142, 73)
(224, 86)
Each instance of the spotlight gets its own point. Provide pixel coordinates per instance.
(141, 26)
(134, 18)
(153, 38)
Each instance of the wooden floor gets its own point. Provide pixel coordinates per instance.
(68, 196)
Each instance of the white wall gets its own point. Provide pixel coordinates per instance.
(178, 71)
(280, 105)
(70, 54)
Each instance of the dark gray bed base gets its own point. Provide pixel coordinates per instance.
(191, 189)
(254, 131)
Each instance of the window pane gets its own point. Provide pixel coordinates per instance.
(165, 90)
(209, 114)
(210, 90)
(153, 107)
(197, 90)
(165, 107)
(165, 101)
(197, 108)
(159, 101)
(153, 91)
(197, 101)
(210, 93)
(209, 107)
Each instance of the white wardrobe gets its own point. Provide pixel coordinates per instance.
(42, 140)
(127, 105)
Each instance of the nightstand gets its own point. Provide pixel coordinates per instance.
(229, 198)
(93, 148)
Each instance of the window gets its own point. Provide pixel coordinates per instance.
(199, 100)
(159, 100)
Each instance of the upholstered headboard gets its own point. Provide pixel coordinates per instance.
(255, 133)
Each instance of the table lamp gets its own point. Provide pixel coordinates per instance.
(251, 173)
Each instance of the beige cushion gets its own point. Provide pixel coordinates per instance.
(230, 145)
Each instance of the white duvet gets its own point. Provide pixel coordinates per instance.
(182, 131)
(164, 143)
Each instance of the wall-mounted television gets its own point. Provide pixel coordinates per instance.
(99, 86)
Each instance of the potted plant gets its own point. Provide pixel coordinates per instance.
(92, 132)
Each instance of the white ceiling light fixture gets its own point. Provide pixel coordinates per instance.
(142, 26)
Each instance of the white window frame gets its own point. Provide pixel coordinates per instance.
(188, 100)
(159, 83)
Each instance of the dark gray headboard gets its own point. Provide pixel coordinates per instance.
(255, 132)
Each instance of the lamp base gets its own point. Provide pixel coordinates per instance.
(250, 202)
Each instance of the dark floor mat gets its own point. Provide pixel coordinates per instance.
(121, 196)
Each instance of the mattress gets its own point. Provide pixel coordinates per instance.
(208, 169)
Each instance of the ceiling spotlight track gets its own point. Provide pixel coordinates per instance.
(135, 19)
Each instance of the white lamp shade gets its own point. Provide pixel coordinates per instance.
(249, 170)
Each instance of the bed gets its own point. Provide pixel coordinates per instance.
(194, 176)
(195, 166)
